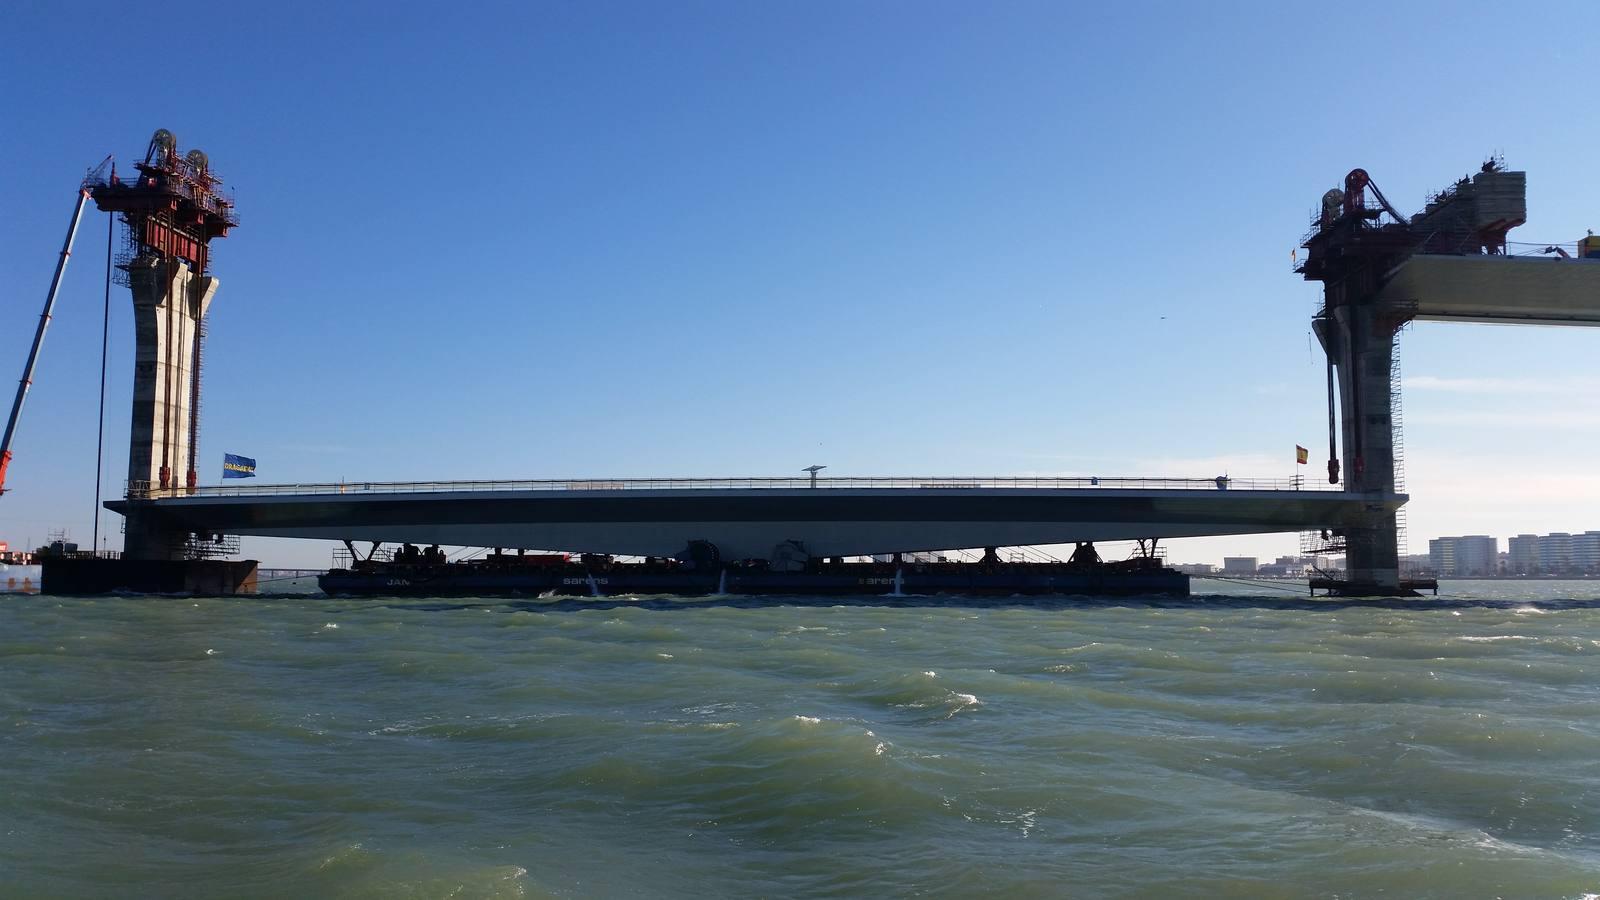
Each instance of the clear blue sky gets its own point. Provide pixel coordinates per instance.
(525, 240)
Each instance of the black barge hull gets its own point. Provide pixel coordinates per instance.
(871, 581)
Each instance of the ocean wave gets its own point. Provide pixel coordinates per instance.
(480, 749)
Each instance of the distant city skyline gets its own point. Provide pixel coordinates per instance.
(1557, 553)
(564, 241)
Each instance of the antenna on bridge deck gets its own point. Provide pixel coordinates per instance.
(813, 470)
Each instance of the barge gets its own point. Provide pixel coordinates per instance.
(699, 572)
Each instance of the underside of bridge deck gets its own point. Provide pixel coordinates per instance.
(749, 524)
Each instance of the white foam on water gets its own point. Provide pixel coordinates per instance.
(664, 655)
(210, 652)
(1452, 830)
(709, 708)
(1024, 820)
(809, 720)
(960, 701)
(405, 727)
(1497, 637)
(331, 626)
(930, 674)
(343, 854)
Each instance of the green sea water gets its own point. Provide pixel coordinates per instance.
(1238, 746)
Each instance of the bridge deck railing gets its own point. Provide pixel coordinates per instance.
(138, 491)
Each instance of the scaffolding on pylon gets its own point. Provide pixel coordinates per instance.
(1397, 438)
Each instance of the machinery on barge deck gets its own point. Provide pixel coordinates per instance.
(699, 571)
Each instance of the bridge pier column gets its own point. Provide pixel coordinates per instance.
(1372, 557)
(148, 536)
(1360, 340)
(169, 305)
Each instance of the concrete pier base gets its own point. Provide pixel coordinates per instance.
(1402, 587)
(149, 535)
(102, 575)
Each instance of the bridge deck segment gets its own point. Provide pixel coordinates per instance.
(637, 518)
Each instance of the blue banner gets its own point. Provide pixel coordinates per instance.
(238, 466)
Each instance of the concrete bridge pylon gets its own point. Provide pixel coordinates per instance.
(1381, 269)
(169, 304)
(172, 206)
(1360, 343)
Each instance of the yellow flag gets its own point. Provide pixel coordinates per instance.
(1301, 454)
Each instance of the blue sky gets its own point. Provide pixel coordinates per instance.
(528, 240)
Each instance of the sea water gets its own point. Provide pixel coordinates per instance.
(1249, 743)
